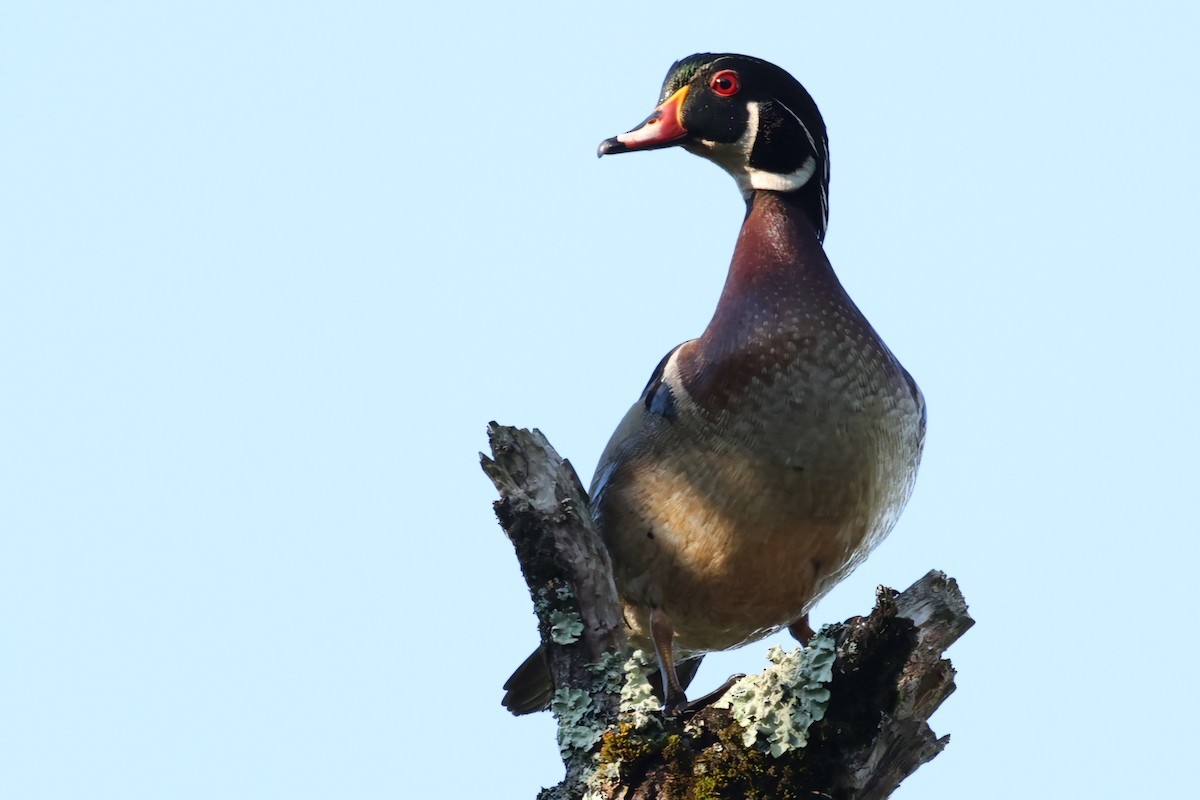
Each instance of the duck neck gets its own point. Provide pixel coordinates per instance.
(779, 291)
(778, 268)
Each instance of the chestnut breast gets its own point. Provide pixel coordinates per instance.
(772, 453)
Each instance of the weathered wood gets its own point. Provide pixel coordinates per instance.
(864, 703)
(544, 510)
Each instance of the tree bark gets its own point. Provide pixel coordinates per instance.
(845, 718)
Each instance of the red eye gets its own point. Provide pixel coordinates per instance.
(725, 83)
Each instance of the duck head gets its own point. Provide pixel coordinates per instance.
(750, 117)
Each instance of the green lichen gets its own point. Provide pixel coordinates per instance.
(638, 702)
(577, 727)
(638, 736)
(608, 678)
(606, 672)
(599, 784)
(638, 731)
(580, 729)
(541, 601)
(776, 708)
(753, 749)
(565, 627)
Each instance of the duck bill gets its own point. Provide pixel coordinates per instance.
(663, 128)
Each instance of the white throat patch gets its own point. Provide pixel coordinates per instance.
(773, 181)
(735, 158)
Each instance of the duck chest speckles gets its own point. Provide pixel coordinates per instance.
(789, 451)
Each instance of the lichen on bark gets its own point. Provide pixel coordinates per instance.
(845, 719)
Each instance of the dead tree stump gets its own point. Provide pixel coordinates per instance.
(845, 717)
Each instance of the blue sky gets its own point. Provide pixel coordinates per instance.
(266, 273)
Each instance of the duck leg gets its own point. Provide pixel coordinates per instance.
(802, 630)
(662, 633)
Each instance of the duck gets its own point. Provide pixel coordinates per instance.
(768, 456)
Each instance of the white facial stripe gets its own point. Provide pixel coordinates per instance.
(811, 141)
(747, 140)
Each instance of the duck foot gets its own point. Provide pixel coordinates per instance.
(701, 703)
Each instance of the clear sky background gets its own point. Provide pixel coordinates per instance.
(268, 269)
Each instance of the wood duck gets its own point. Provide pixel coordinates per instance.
(767, 457)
